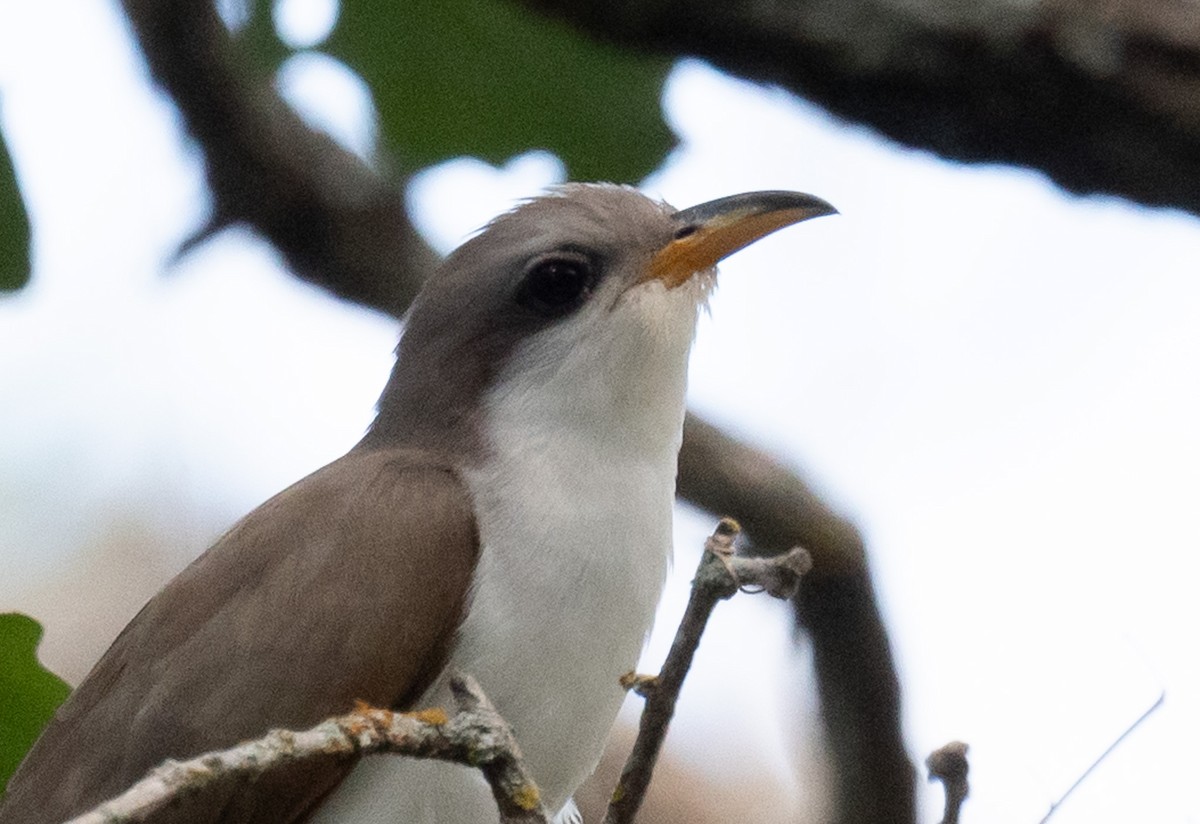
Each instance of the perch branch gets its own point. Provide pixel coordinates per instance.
(719, 576)
(948, 764)
(475, 736)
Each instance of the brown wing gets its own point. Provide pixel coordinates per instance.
(348, 585)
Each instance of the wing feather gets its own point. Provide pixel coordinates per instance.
(347, 586)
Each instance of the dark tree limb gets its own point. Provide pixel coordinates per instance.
(836, 607)
(339, 224)
(343, 227)
(1101, 95)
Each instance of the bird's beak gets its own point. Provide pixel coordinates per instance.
(712, 231)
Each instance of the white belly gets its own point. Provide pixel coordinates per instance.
(564, 596)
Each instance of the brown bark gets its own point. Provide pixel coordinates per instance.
(1101, 95)
(339, 224)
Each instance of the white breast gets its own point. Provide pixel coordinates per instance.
(577, 551)
(574, 505)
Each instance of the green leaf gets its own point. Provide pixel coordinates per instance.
(491, 79)
(14, 228)
(259, 41)
(29, 693)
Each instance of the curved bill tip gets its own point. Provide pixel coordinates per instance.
(797, 205)
(710, 232)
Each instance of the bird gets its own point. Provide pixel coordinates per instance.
(508, 514)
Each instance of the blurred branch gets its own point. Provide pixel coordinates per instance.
(836, 606)
(720, 575)
(338, 223)
(1101, 95)
(948, 764)
(341, 227)
(476, 736)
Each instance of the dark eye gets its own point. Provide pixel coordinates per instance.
(557, 285)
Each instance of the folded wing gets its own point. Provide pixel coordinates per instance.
(347, 586)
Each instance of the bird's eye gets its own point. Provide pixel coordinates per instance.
(557, 285)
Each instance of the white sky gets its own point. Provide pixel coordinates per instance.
(998, 382)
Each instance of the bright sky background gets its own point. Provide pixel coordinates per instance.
(997, 381)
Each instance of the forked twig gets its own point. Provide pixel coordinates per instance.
(720, 575)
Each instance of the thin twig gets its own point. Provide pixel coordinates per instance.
(873, 778)
(948, 764)
(475, 735)
(720, 575)
(1158, 702)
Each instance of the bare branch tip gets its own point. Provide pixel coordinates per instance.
(643, 685)
(948, 762)
(527, 797)
(468, 695)
(212, 227)
(799, 560)
(720, 543)
(728, 528)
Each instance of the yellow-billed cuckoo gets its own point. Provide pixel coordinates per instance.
(508, 514)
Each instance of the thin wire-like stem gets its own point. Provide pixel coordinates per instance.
(1162, 696)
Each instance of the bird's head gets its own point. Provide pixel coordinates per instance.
(574, 308)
